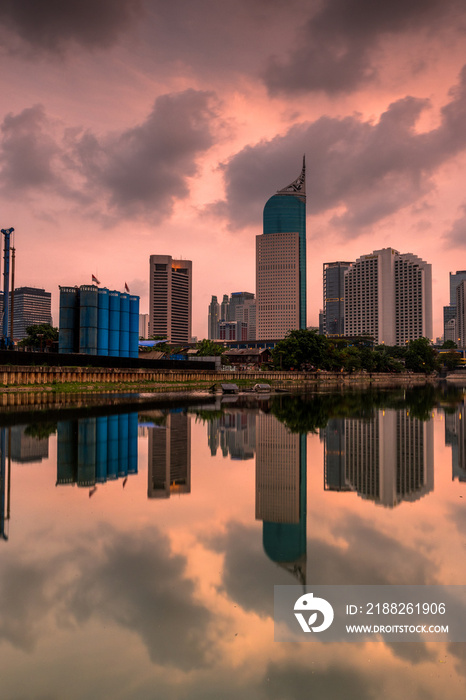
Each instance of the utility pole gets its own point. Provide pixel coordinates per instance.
(6, 283)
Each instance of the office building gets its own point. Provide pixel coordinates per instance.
(449, 312)
(333, 321)
(388, 296)
(170, 304)
(281, 263)
(232, 330)
(144, 326)
(213, 319)
(31, 307)
(461, 314)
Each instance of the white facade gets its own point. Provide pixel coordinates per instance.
(277, 284)
(388, 296)
(144, 326)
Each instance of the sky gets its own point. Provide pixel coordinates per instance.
(130, 128)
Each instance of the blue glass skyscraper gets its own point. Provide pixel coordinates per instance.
(281, 262)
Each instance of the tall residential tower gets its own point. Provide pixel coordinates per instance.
(281, 262)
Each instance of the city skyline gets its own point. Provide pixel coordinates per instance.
(131, 123)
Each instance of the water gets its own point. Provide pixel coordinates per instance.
(140, 548)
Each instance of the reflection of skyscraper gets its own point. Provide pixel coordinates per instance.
(170, 457)
(455, 435)
(333, 436)
(389, 458)
(281, 494)
(27, 448)
(281, 262)
(234, 433)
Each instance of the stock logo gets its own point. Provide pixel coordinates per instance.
(312, 605)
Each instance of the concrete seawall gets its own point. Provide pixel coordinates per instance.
(34, 376)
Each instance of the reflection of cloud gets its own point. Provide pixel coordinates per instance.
(366, 170)
(133, 580)
(138, 583)
(294, 682)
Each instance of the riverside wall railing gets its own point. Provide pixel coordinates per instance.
(11, 376)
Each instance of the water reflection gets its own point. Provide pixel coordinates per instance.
(455, 437)
(92, 451)
(387, 458)
(169, 451)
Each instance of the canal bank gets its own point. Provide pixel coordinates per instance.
(62, 378)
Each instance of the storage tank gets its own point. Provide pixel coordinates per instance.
(103, 313)
(101, 452)
(86, 451)
(112, 447)
(123, 432)
(67, 452)
(114, 324)
(88, 316)
(133, 326)
(124, 325)
(68, 338)
(133, 424)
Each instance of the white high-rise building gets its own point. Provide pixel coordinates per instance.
(388, 295)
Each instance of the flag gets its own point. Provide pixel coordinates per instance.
(94, 279)
(126, 288)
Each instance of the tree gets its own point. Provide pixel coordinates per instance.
(421, 356)
(40, 336)
(207, 348)
(301, 349)
(449, 345)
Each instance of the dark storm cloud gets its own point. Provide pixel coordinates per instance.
(51, 24)
(456, 235)
(28, 151)
(371, 170)
(334, 49)
(145, 169)
(138, 172)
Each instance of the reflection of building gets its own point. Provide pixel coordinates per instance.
(4, 486)
(170, 457)
(281, 263)
(281, 494)
(455, 435)
(170, 302)
(389, 458)
(92, 451)
(27, 448)
(333, 436)
(234, 433)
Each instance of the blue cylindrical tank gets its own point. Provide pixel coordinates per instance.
(133, 326)
(112, 447)
(68, 339)
(101, 452)
(114, 324)
(133, 443)
(88, 317)
(67, 452)
(124, 325)
(86, 451)
(103, 313)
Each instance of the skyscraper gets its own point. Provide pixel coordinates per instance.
(170, 304)
(449, 312)
(334, 298)
(213, 319)
(388, 296)
(32, 307)
(281, 262)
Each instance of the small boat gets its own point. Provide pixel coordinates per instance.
(229, 388)
(262, 388)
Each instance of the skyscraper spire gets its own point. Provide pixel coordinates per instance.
(298, 186)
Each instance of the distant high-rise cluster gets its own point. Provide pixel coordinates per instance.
(31, 307)
(234, 318)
